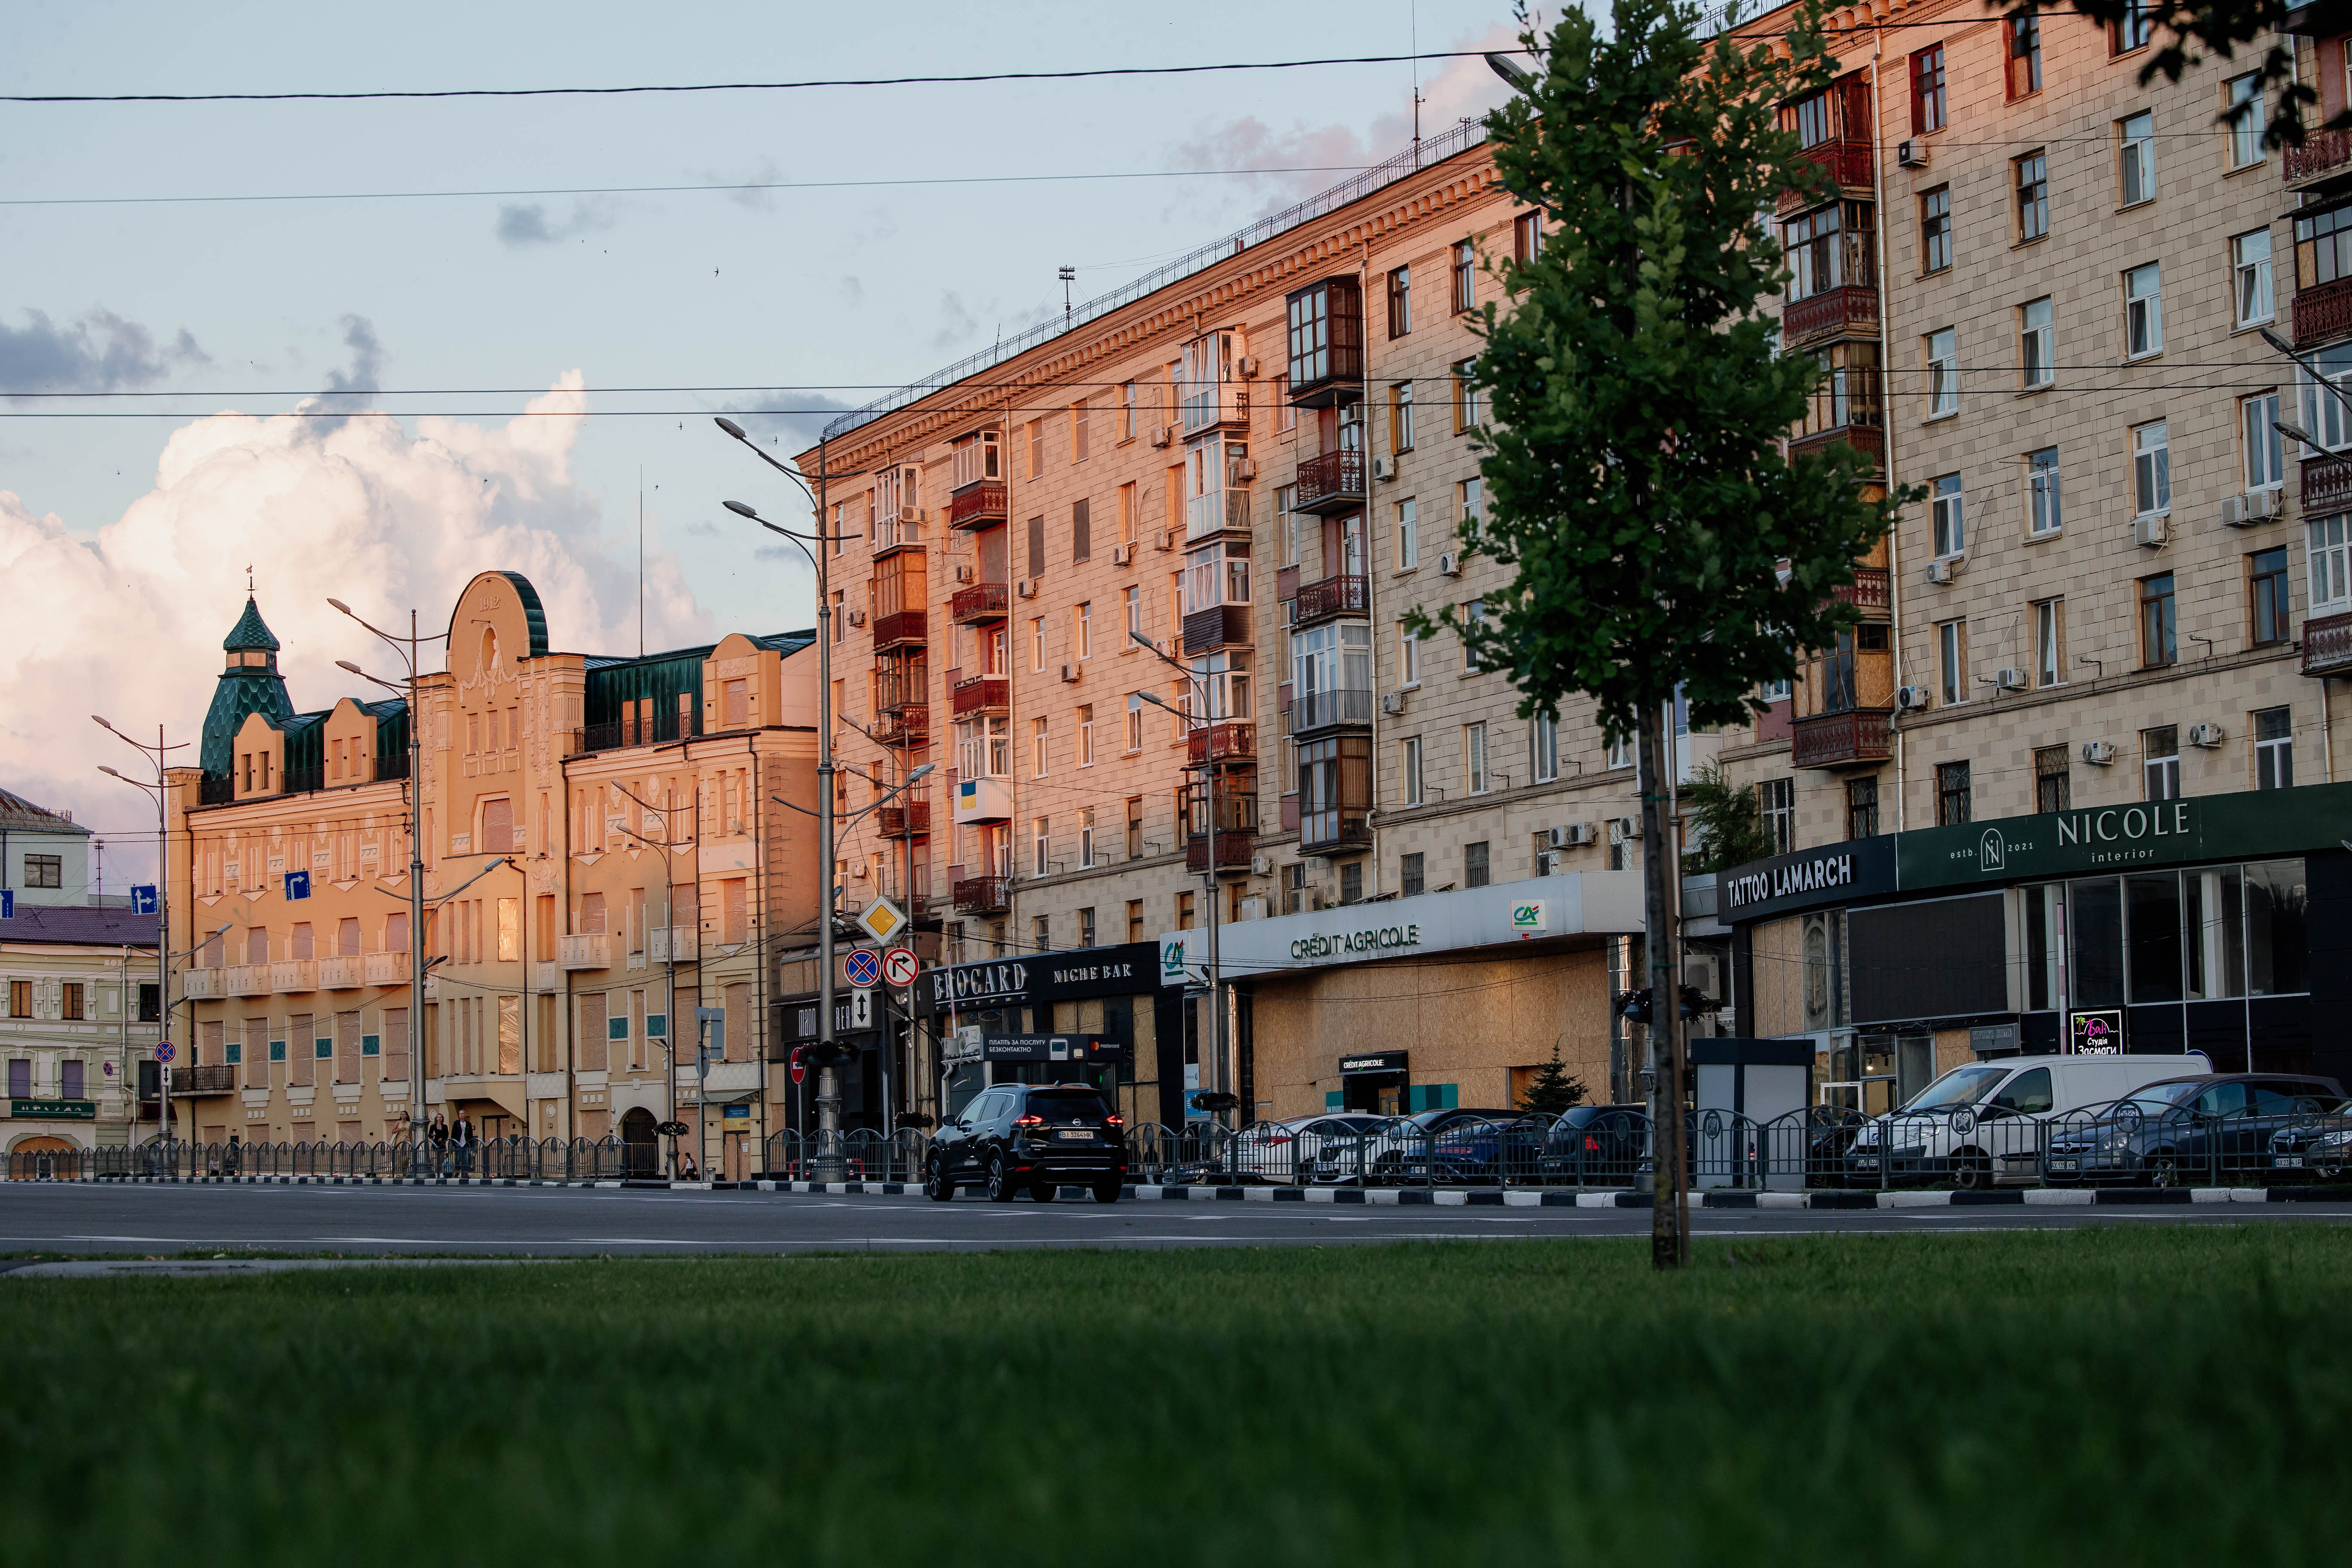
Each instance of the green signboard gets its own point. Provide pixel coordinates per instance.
(55, 1109)
(2253, 825)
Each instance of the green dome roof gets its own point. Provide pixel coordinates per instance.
(249, 632)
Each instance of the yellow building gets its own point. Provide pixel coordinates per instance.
(605, 851)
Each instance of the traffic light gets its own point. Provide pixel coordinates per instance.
(1211, 1101)
(1634, 1006)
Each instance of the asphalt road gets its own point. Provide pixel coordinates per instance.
(557, 1222)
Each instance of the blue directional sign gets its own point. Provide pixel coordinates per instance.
(143, 898)
(297, 885)
(863, 966)
(7, 903)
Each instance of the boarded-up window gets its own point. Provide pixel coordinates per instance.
(347, 1047)
(736, 891)
(595, 1125)
(395, 1045)
(257, 944)
(212, 1042)
(1036, 547)
(1081, 530)
(298, 1053)
(682, 903)
(510, 1035)
(257, 1053)
(306, 1133)
(498, 827)
(592, 1055)
(738, 696)
(300, 947)
(591, 913)
(395, 933)
(347, 938)
(739, 1023)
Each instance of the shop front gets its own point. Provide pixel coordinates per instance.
(2219, 924)
(1096, 1015)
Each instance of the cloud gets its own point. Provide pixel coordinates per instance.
(99, 353)
(350, 392)
(957, 323)
(786, 433)
(127, 620)
(523, 224)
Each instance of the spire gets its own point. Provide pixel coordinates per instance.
(249, 632)
(250, 684)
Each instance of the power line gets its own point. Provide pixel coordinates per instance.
(1086, 74)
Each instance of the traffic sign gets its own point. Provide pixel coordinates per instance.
(7, 903)
(898, 966)
(861, 1009)
(799, 1063)
(143, 898)
(297, 885)
(882, 920)
(163, 1051)
(862, 966)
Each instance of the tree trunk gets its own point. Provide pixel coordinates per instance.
(1670, 1206)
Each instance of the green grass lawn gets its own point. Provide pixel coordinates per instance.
(2177, 1395)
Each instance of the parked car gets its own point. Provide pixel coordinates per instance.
(1400, 1152)
(1484, 1149)
(1302, 1149)
(1597, 1146)
(2184, 1129)
(1033, 1138)
(2316, 1147)
(1985, 1121)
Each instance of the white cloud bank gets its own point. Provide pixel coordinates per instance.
(128, 621)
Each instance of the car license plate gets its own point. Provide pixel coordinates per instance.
(2287, 1162)
(1867, 1161)
(2065, 1164)
(1080, 1134)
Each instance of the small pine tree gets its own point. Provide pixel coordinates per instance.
(1553, 1089)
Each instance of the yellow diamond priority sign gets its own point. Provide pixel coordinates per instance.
(882, 920)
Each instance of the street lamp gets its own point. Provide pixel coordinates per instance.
(156, 753)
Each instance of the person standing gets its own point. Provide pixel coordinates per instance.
(461, 1139)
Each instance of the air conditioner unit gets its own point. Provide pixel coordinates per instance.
(1121, 554)
(1256, 908)
(1703, 971)
(860, 870)
(2206, 735)
(1028, 587)
(909, 516)
(1260, 866)
(2151, 530)
(1247, 365)
(1163, 435)
(1392, 703)
(2265, 504)
(2233, 513)
(1244, 471)
(1910, 697)
(1941, 571)
(857, 618)
(1384, 467)
(2099, 753)
(1625, 829)
(964, 573)
(1449, 565)
(1071, 672)
(1165, 540)
(1555, 837)
(1911, 154)
(1579, 833)
(2008, 679)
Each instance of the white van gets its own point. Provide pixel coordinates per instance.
(1986, 1121)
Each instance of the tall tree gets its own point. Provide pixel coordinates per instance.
(1633, 470)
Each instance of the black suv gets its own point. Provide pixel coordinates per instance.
(1032, 1136)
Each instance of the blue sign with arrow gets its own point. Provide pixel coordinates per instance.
(143, 898)
(297, 885)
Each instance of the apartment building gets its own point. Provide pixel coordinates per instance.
(1136, 586)
(2071, 781)
(78, 1030)
(44, 855)
(608, 861)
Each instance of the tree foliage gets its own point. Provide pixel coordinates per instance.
(1632, 471)
(1553, 1089)
(1728, 821)
(2184, 32)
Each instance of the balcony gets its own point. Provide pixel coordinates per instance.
(1846, 159)
(1226, 741)
(1218, 626)
(981, 694)
(2327, 645)
(897, 629)
(2326, 484)
(1339, 707)
(588, 950)
(1337, 827)
(1325, 327)
(388, 968)
(212, 1077)
(1867, 439)
(245, 980)
(303, 781)
(211, 790)
(1333, 482)
(911, 821)
(2322, 152)
(977, 505)
(1233, 849)
(1867, 592)
(392, 767)
(1334, 596)
(1829, 315)
(654, 730)
(665, 944)
(980, 895)
(201, 985)
(981, 602)
(1219, 511)
(908, 725)
(984, 799)
(904, 531)
(2322, 312)
(294, 975)
(1856, 737)
(347, 972)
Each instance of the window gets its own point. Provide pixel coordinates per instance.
(2266, 597)
(1808, 117)
(1408, 536)
(1543, 748)
(1527, 236)
(1829, 247)
(2274, 749)
(2135, 158)
(1131, 598)
(2151, 468)
(2250, 265)
(1284, 499)
(72, 1004)
(1401, 417)
(2024, 55)
(1134, 721)
(2265, 447)
(1400, 302)
(2158, 630)
(1943, 354)
(1473, 758)
(1037, 450)
(1848, 393)
(1927, 89)
(1952, 662)
(2135, 27)
(1474, 614)
(1135, 827)
(1036, 547)
(2049, 642)
(1408, 656)
(2032, 183)
(45, 870)
(1951, 794)
(1352, 882)
(1466, 395)
(1135, 919)
(2329, 562)
(1777, 798)
(2037, 343)
(2043, 515)
(1409, 876)
(1944, 506)
(2052, 788)
(1617, 751)
(1410, 781)
(2143, 311)
(1474, 864)
(1087, 853)
(1085, 735)
(1465, 276)
(1037, 645)
(2245, 119)
(1082, 531)
(20, 998)
(1082, 630)
(1040, 842)
(1038, 748)
(1935, 229)
(1127, 415)
(2160, 768)
(1861, 808)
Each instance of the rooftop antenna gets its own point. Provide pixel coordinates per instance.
(248, 582)
(1414, 10)
(1069, 276)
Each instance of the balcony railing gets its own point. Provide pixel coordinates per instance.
(981, 602)
(2327, 645)
(586, 950)
(2326, 484)
(898, 533)
(1867, 439)
(245, 980)
(303, 781)
(1867, 592)
(2323, 311)
(1841, 740)
(292, 976)
(652, 731)
(981, 694)
(976, 506)
(1828, 313)
(2322, 153)
(1334, 596)
(1332, 482)
(911, 821)
(394, 766)
(900, 626)
(1324, 710)
(211, 1077)
(211, 790)
(665, 944)
(1219, 511)
(388, 968)
(1847, 160)
(1233, 849)
(1218, 626)
(201, 985)
(1228, 740)
(978, 895)
(1335, 827)
(908, 725)
(346, 972)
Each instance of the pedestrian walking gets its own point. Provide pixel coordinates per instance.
(437, 1136)
(461, 1140)
(686, 1166)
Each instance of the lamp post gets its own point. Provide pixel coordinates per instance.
(407, 648)
(156, 753)
(1209, 872)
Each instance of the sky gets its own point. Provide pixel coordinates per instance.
(501, 329)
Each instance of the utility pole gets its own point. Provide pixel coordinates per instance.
(158, 752)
